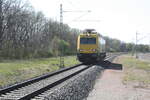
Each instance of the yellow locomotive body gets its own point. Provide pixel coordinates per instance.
(90, 47)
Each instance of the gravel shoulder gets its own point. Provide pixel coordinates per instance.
(109, 86)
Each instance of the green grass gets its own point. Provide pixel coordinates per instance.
(135, 71)
(132, 62)
(12, 71)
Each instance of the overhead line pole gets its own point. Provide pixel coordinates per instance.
(61, 33)
(136, 40)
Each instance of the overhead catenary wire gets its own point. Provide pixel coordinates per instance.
(87, 20)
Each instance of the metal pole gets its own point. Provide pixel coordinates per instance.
(61, 14)
(61, 33)
(136, 46)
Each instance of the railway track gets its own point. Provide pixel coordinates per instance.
(111, 56)
(34, 87)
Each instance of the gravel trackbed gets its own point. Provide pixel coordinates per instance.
(76, 88)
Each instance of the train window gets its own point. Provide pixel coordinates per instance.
(87, 40)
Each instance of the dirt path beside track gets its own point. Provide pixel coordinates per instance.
(109, 86)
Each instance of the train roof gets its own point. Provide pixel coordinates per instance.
(91, 35)
(82, 34)
(90, 32)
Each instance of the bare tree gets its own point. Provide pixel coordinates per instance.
(25, 33)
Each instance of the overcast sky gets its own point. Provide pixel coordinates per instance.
(114, 18)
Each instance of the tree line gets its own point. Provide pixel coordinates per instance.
(115, 45)
(25, 33)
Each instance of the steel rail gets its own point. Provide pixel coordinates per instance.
(35, 93)
(36, 79)
(38, 90)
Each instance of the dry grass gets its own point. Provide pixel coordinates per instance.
(136, 72)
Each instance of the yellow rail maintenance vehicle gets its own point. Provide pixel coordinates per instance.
(90, 47)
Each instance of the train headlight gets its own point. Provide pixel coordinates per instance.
(81, 50)
(94, 50)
